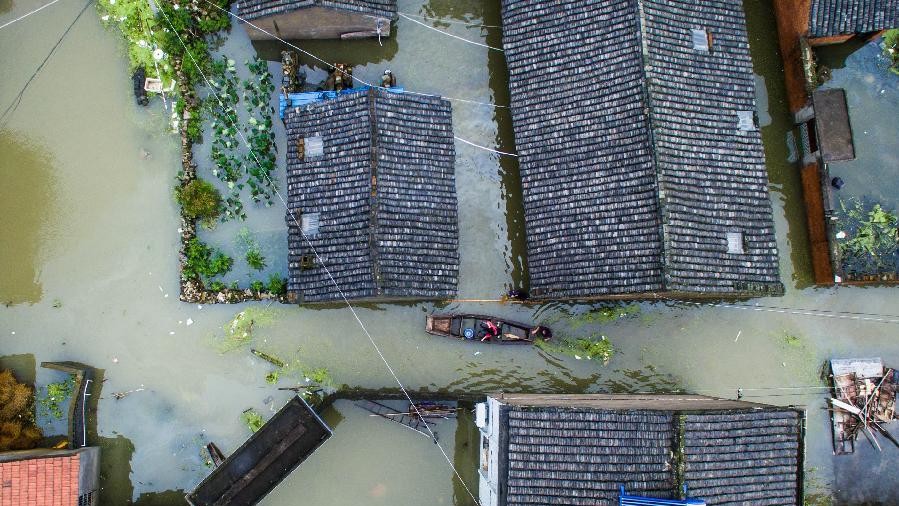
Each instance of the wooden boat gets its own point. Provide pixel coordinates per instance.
(456, 325)
(864, 399)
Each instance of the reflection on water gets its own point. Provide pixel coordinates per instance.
(27, 207)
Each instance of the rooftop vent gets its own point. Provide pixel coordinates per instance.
(746, 121)
(310, 223)
(702, 40)
(313, 146)
(735, 242)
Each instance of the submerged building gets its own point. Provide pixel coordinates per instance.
(641, 162)
(45, 477)
(372, 198)
(582, 449)
(317, 19)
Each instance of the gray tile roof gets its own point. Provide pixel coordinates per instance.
(255, 9)
(633, 166)
(398, 240)
(844, 17)
(580, 456)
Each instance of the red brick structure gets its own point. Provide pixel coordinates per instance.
(49, 477)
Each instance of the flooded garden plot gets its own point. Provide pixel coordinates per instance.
(97, 250)
(867, 203)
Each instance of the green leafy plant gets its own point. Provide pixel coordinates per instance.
(257, 286)
(891, 48)
(871, 239)
(277, 285)
(252, 419)
(593, 347)
(200, 200)
(217, 286)
(202, 260)
(255, 259)
(53, 395)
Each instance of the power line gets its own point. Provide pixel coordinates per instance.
(14, 105)
(346, 74)
(463, 39)
(485, 148)
(23, 16)
(318, 257)
(820, 313)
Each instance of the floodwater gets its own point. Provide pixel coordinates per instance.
(90, 274)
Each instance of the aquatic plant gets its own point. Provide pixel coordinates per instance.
(252, 419)
(257, 286)
(260, 159)
(202, 260)
(602, 314)
(17, 428)
(891, 48)
(255, 260)
(593, 347)
(216, 286)
(239, 331)
(871, 239)
(200, 200)
(53, 395)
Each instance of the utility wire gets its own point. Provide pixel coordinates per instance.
(820, 313)
(14, 105)
(346, 74)
(463, 39)
(318, 257)
(23, 16)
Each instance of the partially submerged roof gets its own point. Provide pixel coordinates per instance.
(266, 458)
(848, 17)
(834, 132)
(255, 9)
(634, 126)
(739, 453)
(46, 477)
(376, 171)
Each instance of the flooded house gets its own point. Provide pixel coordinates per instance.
(823, 117)
(317, 19)
(600, 449)
(371, 198)
(265, 459)
(48, 477)
(641, 161)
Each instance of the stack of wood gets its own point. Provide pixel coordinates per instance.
(864, 400)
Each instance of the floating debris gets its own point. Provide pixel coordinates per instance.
(864, 400)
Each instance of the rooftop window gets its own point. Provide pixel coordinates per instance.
(746, 121)
(735, 243)
(702, 40)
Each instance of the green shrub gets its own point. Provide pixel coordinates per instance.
(204, 261)
(891, 47)
(255, 259)
(277, 285)
(217, 286)
(200, 200)
(257, 286)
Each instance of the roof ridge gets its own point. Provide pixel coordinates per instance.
(664, 250)
(374, 257)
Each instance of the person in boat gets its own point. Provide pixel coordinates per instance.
(542, 332)
(388, 80)
(491, 330)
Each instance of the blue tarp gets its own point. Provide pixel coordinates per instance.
(311, 97)
(635, 500)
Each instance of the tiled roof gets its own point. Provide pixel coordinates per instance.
(49, 481)
(580, 456)
(844, 17)
(633, 166)
(255, 9)
(398, 240)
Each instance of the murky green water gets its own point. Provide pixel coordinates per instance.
(92, 271)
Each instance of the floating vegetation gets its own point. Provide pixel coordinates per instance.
(222, 105)
(54, 395)
(239, 332)
(869, 241)
(593, 347)
(891, 48)
(252, 419)
(605, 314)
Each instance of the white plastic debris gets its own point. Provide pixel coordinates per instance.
(578, 357)
(837, 279)
(189, 322)
(13, 332)
(172, 333)
(115, 360)
(841, 235)
(199, 306)
(477, 353)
